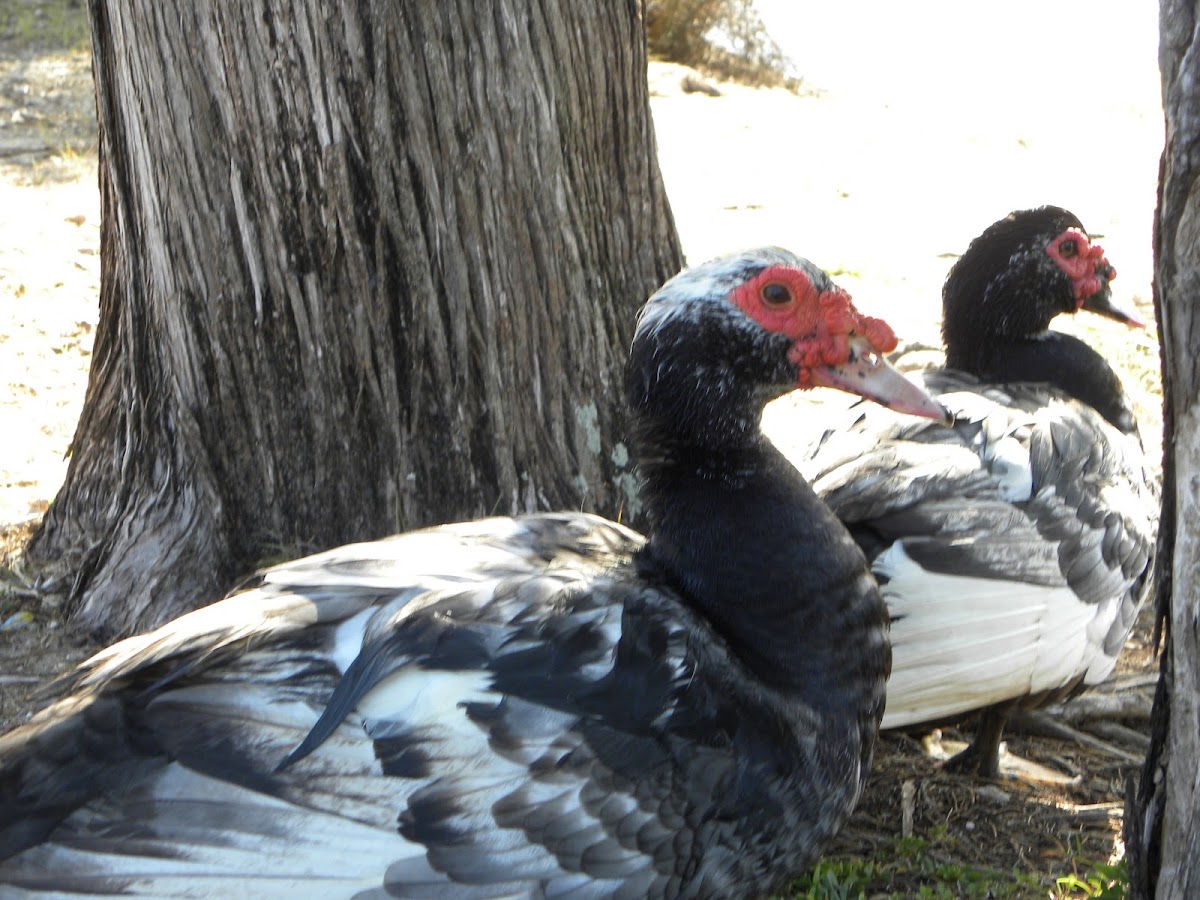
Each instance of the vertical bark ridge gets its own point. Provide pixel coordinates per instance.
(364, 268)
(1162, 822)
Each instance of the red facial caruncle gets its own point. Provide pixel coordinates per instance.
(1082, 261)
(820, 323)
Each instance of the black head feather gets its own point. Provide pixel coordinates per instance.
(999, 299)
(1006, 285)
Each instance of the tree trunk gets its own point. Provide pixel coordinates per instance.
(365, 267)
(1162, 824)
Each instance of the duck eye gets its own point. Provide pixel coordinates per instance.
(1068, 249)
(775, 293)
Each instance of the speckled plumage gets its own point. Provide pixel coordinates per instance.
(547, 706)
(1014, 548)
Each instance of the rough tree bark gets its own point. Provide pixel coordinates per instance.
(1162, 824)
(365, 266)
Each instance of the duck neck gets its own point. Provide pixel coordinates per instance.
(749, 545)
(1053, 358)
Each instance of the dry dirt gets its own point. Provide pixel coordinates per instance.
(49, 285)
(733, 183)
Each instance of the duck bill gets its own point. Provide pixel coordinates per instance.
(1102, 304)
(869, 375)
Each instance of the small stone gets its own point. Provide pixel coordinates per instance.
(992, 794)
(22, 619)
(693, 85)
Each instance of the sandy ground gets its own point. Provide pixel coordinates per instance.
(49, 282)
(920, 131)
(49, 270)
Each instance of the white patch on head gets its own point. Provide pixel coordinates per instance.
(697, 291)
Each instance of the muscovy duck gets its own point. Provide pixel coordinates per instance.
(1014, 548)
(545, 706)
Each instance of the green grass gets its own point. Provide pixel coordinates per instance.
(921, 867)
(1101, 882)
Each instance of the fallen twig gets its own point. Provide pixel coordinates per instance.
(1043, 725)
(1092, 812)
(908, 805)
(1132, 701)
(1122, 734)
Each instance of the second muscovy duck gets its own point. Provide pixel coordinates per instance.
(546, 706)
(1014, 548)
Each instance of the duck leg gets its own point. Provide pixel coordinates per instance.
(982, 756)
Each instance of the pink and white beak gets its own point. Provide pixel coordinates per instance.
(869, 375)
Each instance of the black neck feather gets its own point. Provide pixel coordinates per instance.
(757, 554)
(1054, 358)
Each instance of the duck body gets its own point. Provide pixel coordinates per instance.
(561, 717)
(543, 706)
(1015, 547)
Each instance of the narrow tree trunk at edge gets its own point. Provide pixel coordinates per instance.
(1162, 822)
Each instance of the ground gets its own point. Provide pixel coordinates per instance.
(732, 184)
(49, 283)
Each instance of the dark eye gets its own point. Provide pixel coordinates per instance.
(776, 294)
(1068, 249)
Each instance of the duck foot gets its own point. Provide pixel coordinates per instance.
(964, 759)
(977, 760)
(982, 756)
